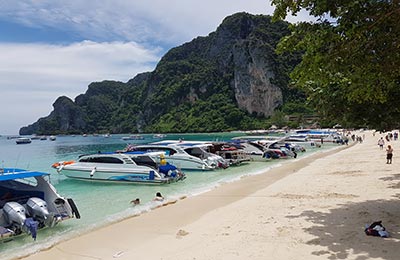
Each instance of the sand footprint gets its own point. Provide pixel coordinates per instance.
(181, 233)
(118, 254)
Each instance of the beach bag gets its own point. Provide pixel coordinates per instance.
(376, 229)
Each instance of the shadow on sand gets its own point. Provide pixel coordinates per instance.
(341, 230)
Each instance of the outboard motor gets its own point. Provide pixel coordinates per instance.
(14, 214)
(37, 209)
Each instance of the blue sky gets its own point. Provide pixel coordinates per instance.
(51, 48)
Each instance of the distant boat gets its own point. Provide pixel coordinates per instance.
(159, 136)
(23, 140)
(133, 137)
(39, 137)
(318, 135)
(52, 138)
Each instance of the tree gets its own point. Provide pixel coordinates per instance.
(350, 67)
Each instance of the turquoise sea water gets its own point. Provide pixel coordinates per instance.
(99, 203)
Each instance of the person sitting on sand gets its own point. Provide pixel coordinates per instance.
(135, 201)
(158, 197)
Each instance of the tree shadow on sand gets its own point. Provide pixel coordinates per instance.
(341, 230)
(394, 181)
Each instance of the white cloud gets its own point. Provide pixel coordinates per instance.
(157, 21)
(32, 76)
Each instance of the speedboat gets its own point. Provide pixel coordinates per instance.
(283, 151)
(232, 153)
(120, 167)
(259, 151)
(23, 140)
(319, 135)
(179, 157)
(29, 202)
(204, 150)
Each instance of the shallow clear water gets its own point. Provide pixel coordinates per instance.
(101, 203)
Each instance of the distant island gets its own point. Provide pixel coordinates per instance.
(231, 79)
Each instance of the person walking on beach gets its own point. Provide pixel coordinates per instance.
(389, 154)
(381, 143)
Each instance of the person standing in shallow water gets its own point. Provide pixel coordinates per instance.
(389, 154)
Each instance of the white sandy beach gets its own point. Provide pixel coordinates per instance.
(311, 208)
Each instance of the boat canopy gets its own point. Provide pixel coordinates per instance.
(12, 174)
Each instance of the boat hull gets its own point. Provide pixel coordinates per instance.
(189, 163)
(114, 175)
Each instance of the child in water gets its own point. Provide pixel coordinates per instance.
(158, 197)
(135, 201)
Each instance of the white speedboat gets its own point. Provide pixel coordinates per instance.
(320, 135)
(23, 140)
(176, 155)
(259, 151)
(29, 202)
(119, 167)
(204, 150)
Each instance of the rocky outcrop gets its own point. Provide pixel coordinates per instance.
(66, 116)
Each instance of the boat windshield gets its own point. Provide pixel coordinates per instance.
(196, 151)
(167, 150)
(101, 159)
(31, 181)
(145, 161)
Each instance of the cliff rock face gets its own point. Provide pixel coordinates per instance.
(66, 116)
(223, 81)
(254, 91)
(253, 61)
